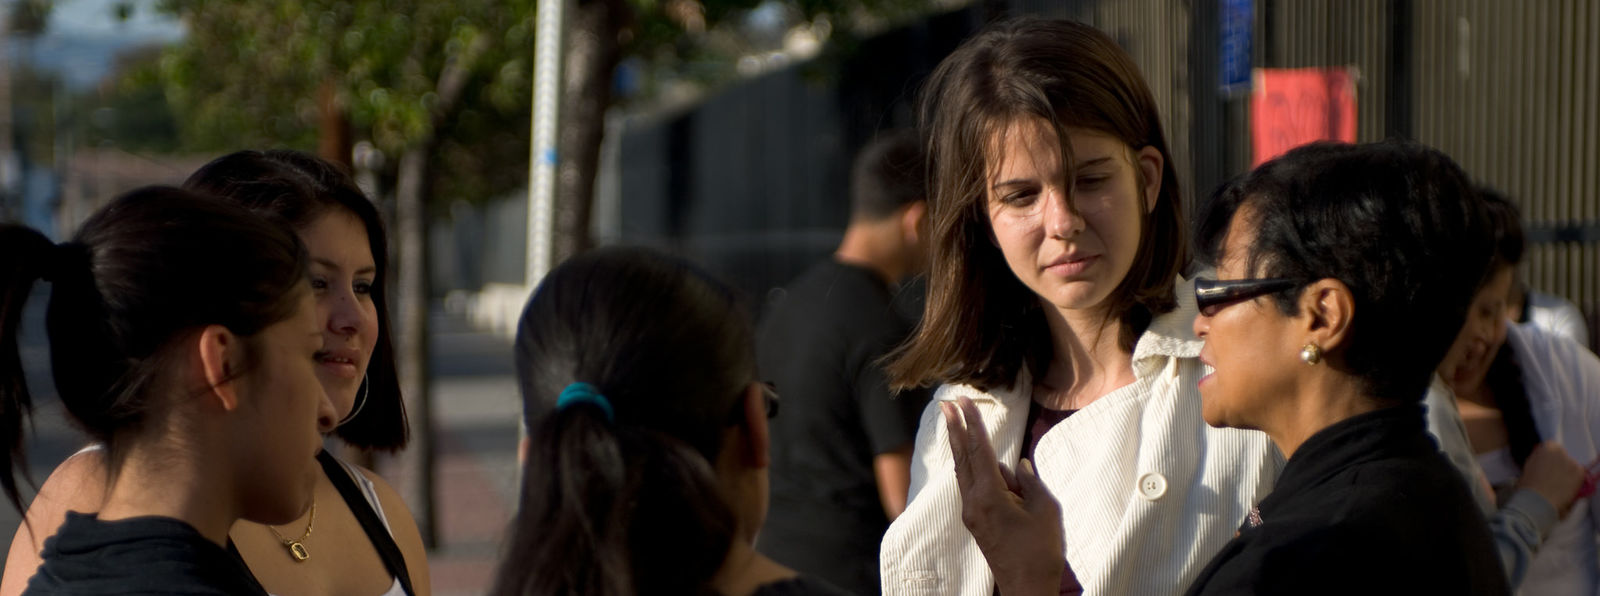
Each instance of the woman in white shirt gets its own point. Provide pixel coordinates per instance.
(1057, 235)
(1528, 400)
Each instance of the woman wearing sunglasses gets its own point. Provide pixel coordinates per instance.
(1057, 236)
(646, 470)
(1342, 275)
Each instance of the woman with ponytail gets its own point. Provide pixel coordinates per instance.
(183, 339)
(646, 470)
(359, 538)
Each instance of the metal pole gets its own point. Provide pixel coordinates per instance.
(543, 157)
(8, 170)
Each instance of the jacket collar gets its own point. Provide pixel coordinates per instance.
(1395, 431)
(1170, 335)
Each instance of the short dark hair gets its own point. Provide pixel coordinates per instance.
(300, 188)
(144, 271)
(889, 173)
(1506, 224)
(981, 325)
(1398, 223)
(626, 504)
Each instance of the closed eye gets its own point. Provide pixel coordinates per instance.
(1090, 182)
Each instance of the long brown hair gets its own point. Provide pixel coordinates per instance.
(981, 324)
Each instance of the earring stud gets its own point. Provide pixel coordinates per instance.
(1311, 354)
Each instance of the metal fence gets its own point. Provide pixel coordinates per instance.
(1510, 89)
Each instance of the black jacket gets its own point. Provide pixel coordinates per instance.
(1365, 506)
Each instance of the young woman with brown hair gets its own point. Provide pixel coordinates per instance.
(359, 537)
(1057, 236)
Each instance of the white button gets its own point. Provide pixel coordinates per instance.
(1152, 486)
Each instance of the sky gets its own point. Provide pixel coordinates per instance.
(84, 37)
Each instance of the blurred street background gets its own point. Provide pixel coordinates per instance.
(500, 136)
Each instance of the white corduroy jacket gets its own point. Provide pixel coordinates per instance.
(1149, 492)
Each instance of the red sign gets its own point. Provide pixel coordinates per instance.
(1290, 107)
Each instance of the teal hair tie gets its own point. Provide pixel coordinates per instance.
(584, 393)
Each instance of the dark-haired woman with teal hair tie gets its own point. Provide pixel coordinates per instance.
(646, 471)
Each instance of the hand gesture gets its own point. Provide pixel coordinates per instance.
(1013, 518)
(1553, 474)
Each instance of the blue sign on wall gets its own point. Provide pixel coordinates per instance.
(1236, 19)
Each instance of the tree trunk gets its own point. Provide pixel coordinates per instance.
(333, 125)
(591, 57)
(413, 188)
(411, 246)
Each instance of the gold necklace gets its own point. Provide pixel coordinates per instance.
(297, 547)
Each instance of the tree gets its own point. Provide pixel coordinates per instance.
(668, 33)
(431, 83)
(427, 82)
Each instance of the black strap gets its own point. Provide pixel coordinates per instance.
(376, 532)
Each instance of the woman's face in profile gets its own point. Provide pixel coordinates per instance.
(343, 277)
(1467, 363)
(1070, 235)
(1250, 345)
(283, 408)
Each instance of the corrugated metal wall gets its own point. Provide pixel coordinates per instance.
(1319, 33)
(1512, 91)
(1156, 34)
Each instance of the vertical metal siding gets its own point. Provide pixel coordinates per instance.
(1511, 89)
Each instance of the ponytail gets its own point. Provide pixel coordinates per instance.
(145, 270)
(620, 494)
(609, 511)
(26, 256)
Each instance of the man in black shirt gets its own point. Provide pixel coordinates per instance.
(841, 449)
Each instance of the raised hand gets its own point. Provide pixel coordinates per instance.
(1013, 518)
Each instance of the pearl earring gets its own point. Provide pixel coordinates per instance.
(1311, 354)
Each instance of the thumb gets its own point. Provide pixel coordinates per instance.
(1036, 496)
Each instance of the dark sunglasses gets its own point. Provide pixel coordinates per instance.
(1212, 295)
(769, 395)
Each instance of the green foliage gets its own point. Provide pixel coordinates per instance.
(251, 74)
(131, 112)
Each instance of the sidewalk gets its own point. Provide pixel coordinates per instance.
(476, 414)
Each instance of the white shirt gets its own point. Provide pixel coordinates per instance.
(1562, 380)
(1542, 555)
(1149, 492)
(1555, 315)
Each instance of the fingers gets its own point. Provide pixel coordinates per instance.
(956, 433)
(978, 446)
(1010, 479)
(1552, 473)
(977, 467)
(1036, 496)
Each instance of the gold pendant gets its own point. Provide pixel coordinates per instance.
(298, 551)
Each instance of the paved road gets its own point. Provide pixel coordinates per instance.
(476, 413)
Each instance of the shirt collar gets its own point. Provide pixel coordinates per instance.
(1171, 335)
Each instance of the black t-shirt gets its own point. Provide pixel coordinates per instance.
(1365, 506)
(141, 555)
(820, 342)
